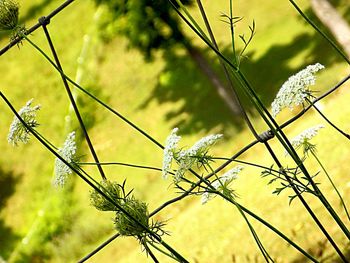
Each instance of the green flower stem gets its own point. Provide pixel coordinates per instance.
(329, 40)
(314, 217)
(275, 127)
(161, 250)
(92, 96)
(97, 189)
(99, 248)
(287, 145)
(252, 230)
(232, 29)
(72, 101)
(149, 251)
(295, 182)
(327, 120)
(227, 74)
(125, 164)
(333, 185)
(268, 225)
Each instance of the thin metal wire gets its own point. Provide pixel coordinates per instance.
(63, 6)
(236, 155)
(44, 21)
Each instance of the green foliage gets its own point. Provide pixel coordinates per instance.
(148, 24)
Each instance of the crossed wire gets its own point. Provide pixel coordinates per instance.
(262, 138)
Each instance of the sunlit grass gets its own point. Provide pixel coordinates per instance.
(210, 233)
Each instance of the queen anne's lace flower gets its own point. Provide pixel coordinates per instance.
(169, 151)
(187, 158)
(222, 183)
(18, 132)
(68, 153)
(296, 89)
(303, 138)
(202, 146)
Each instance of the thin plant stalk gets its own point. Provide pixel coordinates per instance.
(105, 105)
(314, 217)
(96, 188)
(261, 247)
(73, 103)
(269, 120)
(332, 183)
(328, 39)
(227, 74)
(149, 251)
(92, 96)
(347, 136)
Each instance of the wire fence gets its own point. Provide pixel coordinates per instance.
(43, 23)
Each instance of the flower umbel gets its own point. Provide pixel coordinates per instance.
(68, 153)
(18, 132)
(185, 158)
(296, 89)
(221, 184)
(9, 10)
(303, 139)
(196, 154)
(170, 151)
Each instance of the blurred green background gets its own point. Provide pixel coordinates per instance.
(41, 224)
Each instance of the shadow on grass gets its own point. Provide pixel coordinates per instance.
(34, 11)
(8, 239)
(201, 109)
(324, 252)
(270, 71)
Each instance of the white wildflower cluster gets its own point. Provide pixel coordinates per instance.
(170, 151)
(296, 89)
(185, 158)
(188, 158)
(302, 140)
(221, 184)
(18, 132)
(68, 153)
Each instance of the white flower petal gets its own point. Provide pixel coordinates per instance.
(295, 90)
(169, 151)
(18, 132)
(68, 153)
(305, 136)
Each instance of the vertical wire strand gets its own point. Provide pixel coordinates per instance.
(73, 103)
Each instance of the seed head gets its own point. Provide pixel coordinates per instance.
(112, 189)
(9, 10)
(127, 226)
